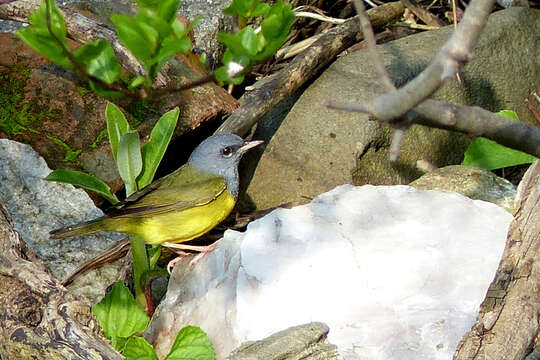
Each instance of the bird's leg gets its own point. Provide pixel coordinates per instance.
(179, 249)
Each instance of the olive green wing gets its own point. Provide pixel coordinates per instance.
(180, 190)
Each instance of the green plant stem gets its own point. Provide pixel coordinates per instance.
(140, 266)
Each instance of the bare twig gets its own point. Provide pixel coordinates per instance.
(424, 15)
(416, 26)
(478, 122)
(319, 17)
(447, 62)
(367, 30)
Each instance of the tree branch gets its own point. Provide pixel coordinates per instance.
(40, 318)
(391, 106)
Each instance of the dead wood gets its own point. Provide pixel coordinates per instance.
(40, 318)
(507, 326)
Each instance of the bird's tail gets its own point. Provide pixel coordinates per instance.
(83, 228)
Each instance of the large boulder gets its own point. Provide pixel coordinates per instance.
(317, 148)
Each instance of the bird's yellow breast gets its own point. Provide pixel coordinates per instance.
(180, 226)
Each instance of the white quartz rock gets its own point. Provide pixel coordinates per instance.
(396, 273)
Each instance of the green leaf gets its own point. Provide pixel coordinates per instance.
(168, 9)
(154, 149)
(152, 20)
(489, 155)
(39, 38)
(100, 61)
(41, 41)
(246, 8)
(58, 25)
(154, 253)
(249, 41)
(509, 114)
(260, 9)
(140, 40)
(152, 4)
(129, 160)
(120, 316)
(117, 126)
(191, 344)
(84, 180)
(138, 81)
(137, 348)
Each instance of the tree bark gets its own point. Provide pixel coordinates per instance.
(507, 326)
(39, 318)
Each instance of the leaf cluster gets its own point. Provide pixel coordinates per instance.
(250, 46)
(153, 35)
(122, 319)
(137, 166)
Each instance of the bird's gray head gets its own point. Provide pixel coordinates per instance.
(220, 154)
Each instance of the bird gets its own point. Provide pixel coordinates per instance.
(180, 206)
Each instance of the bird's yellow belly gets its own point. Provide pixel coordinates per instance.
(185, 225)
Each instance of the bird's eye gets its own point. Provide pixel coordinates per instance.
(227, 151)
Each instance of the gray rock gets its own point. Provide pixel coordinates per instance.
(212, 21)
(316, 148)
(298, 342)
(475, 183)
(38, 206)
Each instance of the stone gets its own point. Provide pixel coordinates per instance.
(395, 272)
(475, 183)
(38, 206)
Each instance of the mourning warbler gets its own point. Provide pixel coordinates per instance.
(182, 205)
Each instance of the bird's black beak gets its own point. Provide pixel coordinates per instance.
(249, 145)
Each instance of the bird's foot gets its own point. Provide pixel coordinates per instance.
(179, 249)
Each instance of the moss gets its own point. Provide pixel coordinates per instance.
(72, 155)
(82, 91)
(12, 121)
(17, 118)
(102, 135)
(141, 110)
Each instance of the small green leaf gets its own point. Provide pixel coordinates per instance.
(191, 344)
(138, 81)
(249, 41)
(152, 4)
(117, 126)
(129, 160)
(489, 155)
(100, 61)
(38, 37)
(135, 37)
(41, 41)
(509, 114)
(84, 180)
(120, 316)
(58, 25)
(167, 9)
(154, 253)
(137, 348)
(154, 149)
(260, 9)
(158, 25)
